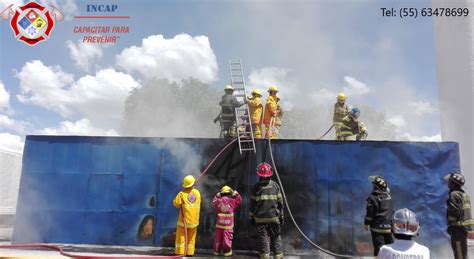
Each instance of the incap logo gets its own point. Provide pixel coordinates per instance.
(32, 22)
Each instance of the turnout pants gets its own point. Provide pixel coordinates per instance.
(458, 242)
(269, 235)
(223, 241)
(180, 240)
(257, 130)
(380, 239)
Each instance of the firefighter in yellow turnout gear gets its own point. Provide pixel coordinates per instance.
(256, 110)
(340, 111)
(189, 202)
(271, 111)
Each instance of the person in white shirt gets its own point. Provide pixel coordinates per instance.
(405, 229)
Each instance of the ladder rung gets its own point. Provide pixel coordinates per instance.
(246, 141)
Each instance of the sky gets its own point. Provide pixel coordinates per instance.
(311, 50)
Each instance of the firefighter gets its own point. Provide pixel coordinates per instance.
(352, 126)
(224, 203)
(256, 109)
(277, 127)
(228, 104)
(188, 201)
(379, 213)
(405, 229)
(271, 111)
(340, 111)
(460, 222)
(266, 212)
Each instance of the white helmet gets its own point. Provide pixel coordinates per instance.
(405, 222)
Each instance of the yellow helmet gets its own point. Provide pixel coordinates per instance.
(273, 89)
(226, 189)
(257, 91)
(228, 87)
(341, 97)
(188, 181)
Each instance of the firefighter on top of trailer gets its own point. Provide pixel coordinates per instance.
(352, 126)
(340, 111)
(271, 111)
(228, 104)
(256, 110)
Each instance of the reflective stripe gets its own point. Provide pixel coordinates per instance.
(187, 225)
(189, 206)
(451, 218)
(279, 255)
(376, 230)
(268, 197)
(224, 227)
(367, 218)
(225, 214)
(266, 220)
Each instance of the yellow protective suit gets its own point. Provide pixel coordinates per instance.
(189, 203)
(271, 111)
(256, 111)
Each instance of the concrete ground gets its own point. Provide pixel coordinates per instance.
(128, 251)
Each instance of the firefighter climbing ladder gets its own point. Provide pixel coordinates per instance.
(242, 118)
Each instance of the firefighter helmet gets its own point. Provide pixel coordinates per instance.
(226, 189)
(405, 222)
(378, 182)
(354, 113)
(264, 170)
(257, 92)
(273, 89)
(188, 181)
(455, 178)
(341, 97)
(228, 88)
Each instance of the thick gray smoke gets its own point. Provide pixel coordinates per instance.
(455, 64)
(164, 109)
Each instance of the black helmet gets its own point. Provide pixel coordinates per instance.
(379, 182)
(455, 178)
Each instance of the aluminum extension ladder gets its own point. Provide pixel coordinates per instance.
(242, 118)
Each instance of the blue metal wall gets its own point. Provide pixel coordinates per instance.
(97, 190)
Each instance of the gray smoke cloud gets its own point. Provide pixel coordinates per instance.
(455, 66)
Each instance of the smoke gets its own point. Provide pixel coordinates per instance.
(164, 109)
(186, 156)
(455, 64)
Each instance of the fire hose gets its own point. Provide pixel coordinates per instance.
(289, 209)
(64, 253)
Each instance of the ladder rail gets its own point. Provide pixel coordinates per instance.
(237, 80)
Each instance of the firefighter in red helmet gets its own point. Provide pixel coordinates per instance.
(266, 212)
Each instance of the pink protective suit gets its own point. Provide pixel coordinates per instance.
(225, 205)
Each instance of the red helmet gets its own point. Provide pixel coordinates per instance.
(264, 170)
